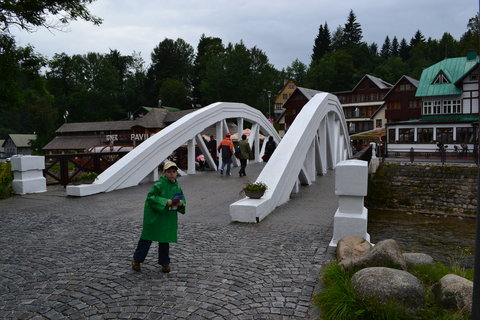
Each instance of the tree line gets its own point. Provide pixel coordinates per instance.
(39, 94)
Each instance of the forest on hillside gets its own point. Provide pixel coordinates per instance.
(37, 94)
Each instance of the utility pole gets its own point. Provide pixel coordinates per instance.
(476, 264)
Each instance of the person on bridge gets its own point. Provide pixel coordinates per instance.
(244, 155)
(212, 148)
(226, 147)
(269, 149)
(160, 219)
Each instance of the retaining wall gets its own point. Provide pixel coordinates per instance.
(424, 188)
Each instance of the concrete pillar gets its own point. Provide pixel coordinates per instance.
(374, 162)
(351, 217)
(191, 156)
(28, 174)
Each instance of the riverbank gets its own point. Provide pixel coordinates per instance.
(426, 188)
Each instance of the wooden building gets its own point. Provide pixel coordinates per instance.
(363, 102)
(401, 104)
(83, 136)
(18, 144)
(293, 106)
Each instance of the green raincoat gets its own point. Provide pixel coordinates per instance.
(159, 222)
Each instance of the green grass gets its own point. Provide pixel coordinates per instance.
(338, 301)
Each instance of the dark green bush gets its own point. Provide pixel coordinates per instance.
(6, 178)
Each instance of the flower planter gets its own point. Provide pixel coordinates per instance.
(254, 194)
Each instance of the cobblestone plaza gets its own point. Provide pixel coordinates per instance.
(69, 258)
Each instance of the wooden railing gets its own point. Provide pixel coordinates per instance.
(63, 168)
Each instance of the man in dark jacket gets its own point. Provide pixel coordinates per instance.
(244, 155)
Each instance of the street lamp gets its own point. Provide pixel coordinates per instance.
(269, 94)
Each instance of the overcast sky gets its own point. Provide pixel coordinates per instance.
(284, 30)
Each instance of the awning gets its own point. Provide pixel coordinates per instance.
(370, 136)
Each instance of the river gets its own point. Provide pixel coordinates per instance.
(446, 239)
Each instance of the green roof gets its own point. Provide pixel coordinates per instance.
(453, 68)
(445, 118)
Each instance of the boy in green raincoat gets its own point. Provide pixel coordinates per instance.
(160, 220)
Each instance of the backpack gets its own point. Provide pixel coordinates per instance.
(237, 151)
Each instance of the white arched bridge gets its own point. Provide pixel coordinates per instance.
(316, 141)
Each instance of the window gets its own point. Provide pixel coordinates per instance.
(473, 77)
(285, 96)
(441, 79)
(405, 135)
(447, 106)
(436, 107)
(278, 106)
(445, 135)
(427, 107)
(465, 135)
(290, 86)
(425, 135)
(391, 135)
(456, 106)
(378, 123)
(357, 112)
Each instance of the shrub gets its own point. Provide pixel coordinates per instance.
(257, 186)
(6, 178)
(337, 300)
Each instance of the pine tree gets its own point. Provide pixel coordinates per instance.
(394, 49)
(404, 50)
(417, 38)
(322, 43)
(386, 48)
(352, 32)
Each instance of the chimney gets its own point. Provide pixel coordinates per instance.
(471, 55)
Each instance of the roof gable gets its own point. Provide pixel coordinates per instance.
(453, 68)
(379, 83)
(400, 81)
(22, 140)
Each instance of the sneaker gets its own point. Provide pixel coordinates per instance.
(136, 265)
(166, 268)
(221, 172)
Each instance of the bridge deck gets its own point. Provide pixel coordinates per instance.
(65, 257)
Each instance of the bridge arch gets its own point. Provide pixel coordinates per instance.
(316, 141)
(141, 163)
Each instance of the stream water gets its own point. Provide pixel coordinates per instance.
(446, 239)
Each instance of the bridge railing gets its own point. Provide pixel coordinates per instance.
(142, 163)
(316, 141)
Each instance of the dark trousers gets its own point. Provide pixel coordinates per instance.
(243, 165)
(143, 247)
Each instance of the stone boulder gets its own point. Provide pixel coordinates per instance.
(454, 292)
(385, 253)
(387, 284)
(417, 258)
(352, 247)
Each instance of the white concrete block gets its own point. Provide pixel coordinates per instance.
(25, 163)
(36, 185)
(27, 175)
(351, 178)
(350, 204)
(349, 224)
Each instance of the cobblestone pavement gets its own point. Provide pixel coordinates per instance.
(69, 258)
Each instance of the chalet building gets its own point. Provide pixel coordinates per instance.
(450, 109)
(18, 144)
(401, 104)
(362, 104)
(282, 97)
(293, 106)
(83, 136)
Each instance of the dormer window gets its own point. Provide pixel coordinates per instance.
(441, 79)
